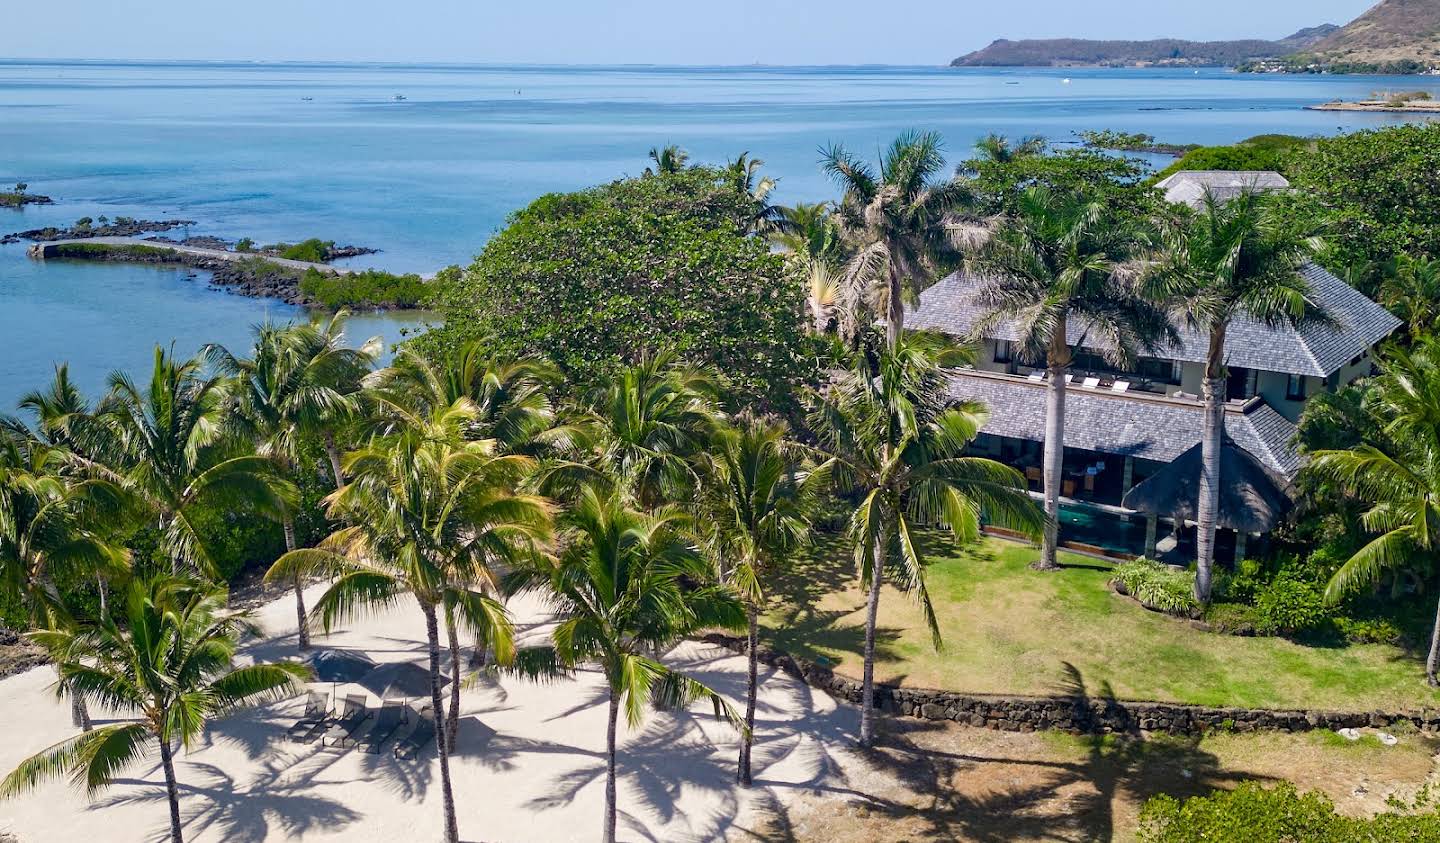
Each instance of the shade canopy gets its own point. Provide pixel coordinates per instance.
(340, 665)
(1252, 500)
(400, 679)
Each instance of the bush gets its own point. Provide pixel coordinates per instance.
(245, 244)
(1158, 587)
(1254, 814)
(370, 288)
(1241, 586)
(313, 250)
(1262, 152)
(1290, 605)
(1233, 618)
(1370, 630)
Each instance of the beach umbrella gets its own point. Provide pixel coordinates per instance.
(400, 679)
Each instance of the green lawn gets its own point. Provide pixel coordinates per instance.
(1009, 629)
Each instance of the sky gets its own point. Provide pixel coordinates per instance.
(796, 32)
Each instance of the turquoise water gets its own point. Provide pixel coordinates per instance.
(429, 178)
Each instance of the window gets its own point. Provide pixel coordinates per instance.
(1295, 388)
(1003, 351)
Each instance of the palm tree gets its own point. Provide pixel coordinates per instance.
(1396, 475)
(166, 444)
(813, 241)
(754, 508)
(1411, 290)
(429, 514)
(896, 221)
(298, 382)
(1052, 269)
(765, 218)
(998, 149)
(168, 661)
(668, 160)
(892, 440)
(1232, 260)
(628, 585)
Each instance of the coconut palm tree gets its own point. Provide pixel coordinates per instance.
(1411, 290)
(627, 585)
(1396, 475)
(896, 222)
(998, 149)
(668, 160)
(166, 444)
(1233, 260)
(892, 439)
(754, 508)
(812, 241)
(298, 381)
(765, 218)
(1052, 270)
(429, 515)
(167, 660)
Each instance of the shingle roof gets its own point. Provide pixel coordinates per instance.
(1252, 499)
(1188, 187)
(1313, 349)
(1152, 428)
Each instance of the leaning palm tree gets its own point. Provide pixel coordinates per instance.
(764, 218)
(166, 444)
(754, 508)
(998, 149)
(428, 515)
(892, 440)
(1053, 270)
(299, 381)
(167, 660)
(668, 160)
(1396, 475)
(1233, 260)
(896, 222)
(628, 585)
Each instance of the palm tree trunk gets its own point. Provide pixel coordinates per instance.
(173, 791)
(1059, 366)
(1432, 664)
(752, 645)
(1207, 506)
(333, 453)
(79, 712)
(610, 810)
(104, 596)
(302, 624)
(452, 718)
(437, 708)
(894, 310)
(872, 612)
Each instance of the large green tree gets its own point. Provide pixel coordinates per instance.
(164, 661)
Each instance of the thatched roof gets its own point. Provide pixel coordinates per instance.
(1252, 500)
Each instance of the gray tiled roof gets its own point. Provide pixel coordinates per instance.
(1188, 187)
(1312, 349)
(1129, 425)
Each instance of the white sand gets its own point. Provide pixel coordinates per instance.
(530, 765)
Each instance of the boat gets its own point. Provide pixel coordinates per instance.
(399, 97)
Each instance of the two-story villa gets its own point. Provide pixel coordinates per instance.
(1126, 426)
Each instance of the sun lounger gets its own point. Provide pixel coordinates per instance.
(342, 731)
(316, 716)
(1090, 383)
(1120, 386)
(421, 737)
(1037, 375)
(392, 715)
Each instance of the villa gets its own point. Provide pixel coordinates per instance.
(1124, 427)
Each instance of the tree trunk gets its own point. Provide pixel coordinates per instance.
(437, 710)
(1432, 664)
(168, 762)
(1059, 367)
(452, 717)
(101, 589)
(79, 712)
(610, 810)
(1207, 508)
(872, 610)
(302, 623)
(894, 310)
(333, 453)
(752, 645)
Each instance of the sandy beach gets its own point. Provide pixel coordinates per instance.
(529, 765)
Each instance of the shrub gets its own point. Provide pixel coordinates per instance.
(371, 288)
(1370, 630)
(1255, 814)
(1290, 605)
(245, 244)
(1240, 586)
(313, 250)
(1158, 587)
(1233, 618)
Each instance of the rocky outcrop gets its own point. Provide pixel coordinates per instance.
(119, 228)
(17, 654)
(1077, 713)
(255, 277)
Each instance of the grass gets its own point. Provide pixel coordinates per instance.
(1012, 630)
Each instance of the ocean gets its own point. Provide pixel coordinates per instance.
(425, 162)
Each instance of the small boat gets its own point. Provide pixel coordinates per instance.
(1065, 81)
(399, 97)
(307, 99)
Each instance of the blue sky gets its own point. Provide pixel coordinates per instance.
(622, 31)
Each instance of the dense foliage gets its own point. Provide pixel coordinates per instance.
(1262, 152)
(1158, 587)
(589, 280)
(367, 288)
(1278, 814)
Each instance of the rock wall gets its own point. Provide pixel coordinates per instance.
(1076, 713)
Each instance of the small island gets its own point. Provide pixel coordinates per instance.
(1406, 102)
(17, 197)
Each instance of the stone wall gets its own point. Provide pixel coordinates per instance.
(1076, 713)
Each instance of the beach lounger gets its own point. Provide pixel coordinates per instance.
(342, 731)
(392, 715)
(1120, 386)
(316, 716)
(1090, 383)
(421, 737)
(1037, 375)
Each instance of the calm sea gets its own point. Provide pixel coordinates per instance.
(283, 152)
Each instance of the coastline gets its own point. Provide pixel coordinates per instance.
(1379, 107)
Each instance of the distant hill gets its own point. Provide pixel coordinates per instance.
(1392, 31)
(1064, 52)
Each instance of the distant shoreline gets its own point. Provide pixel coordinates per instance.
(1417, 107)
